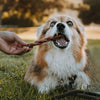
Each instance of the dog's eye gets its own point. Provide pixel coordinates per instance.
(70, 23)
(52, 24)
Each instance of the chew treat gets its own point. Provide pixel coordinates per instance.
(51, 38)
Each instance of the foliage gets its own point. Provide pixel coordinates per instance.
(19, 22)
(31, 9)
(92, 14)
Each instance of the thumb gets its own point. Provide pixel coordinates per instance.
(21, 50)
(20, 41)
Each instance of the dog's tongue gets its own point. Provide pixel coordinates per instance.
(61, 41)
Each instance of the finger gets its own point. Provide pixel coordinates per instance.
(30, 49)
(27, 49)
(20, 41)
(23, 43)
(19, 52)
(23, 50)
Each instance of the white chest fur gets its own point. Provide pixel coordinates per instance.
(62, 63)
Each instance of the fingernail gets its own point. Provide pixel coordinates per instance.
(26, 48)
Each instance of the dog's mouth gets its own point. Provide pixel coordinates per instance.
(61, 42)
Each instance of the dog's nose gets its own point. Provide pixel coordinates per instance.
(60, 26)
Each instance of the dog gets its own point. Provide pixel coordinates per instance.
(61, 59)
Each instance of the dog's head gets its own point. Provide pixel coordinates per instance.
(74, 38)
(72, 31)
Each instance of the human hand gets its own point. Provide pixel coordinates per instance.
(10, 43)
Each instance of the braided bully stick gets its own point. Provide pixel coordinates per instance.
(51, 38)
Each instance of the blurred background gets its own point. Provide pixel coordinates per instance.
(24, 16)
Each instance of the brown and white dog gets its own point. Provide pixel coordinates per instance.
(59, 59)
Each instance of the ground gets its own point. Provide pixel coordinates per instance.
(13, 68)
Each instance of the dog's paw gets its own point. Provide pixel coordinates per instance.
(43, 89)
(47, 84)
(82, 81)
(82, 86)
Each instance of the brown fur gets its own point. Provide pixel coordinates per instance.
(35, 72)
(88, 64)
(37, 68)
(77, 50)
(42, 49)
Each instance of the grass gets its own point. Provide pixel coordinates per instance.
(94, 49)
(13, 68)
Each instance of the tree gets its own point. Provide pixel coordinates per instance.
(2, 3)
(35, 8)
(92, 14)
(6, 5)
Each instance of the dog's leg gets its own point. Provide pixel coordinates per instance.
(48, 83)
(82, 81)
(37, 76)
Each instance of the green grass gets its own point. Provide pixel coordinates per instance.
(94, 49)
(93, 42)
(13, 68)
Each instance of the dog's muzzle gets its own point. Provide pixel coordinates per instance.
(63, 41)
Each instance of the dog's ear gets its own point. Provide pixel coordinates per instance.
(39, 31)
(80, 28)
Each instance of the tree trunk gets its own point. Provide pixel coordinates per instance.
(1, 10)
(0, 17)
